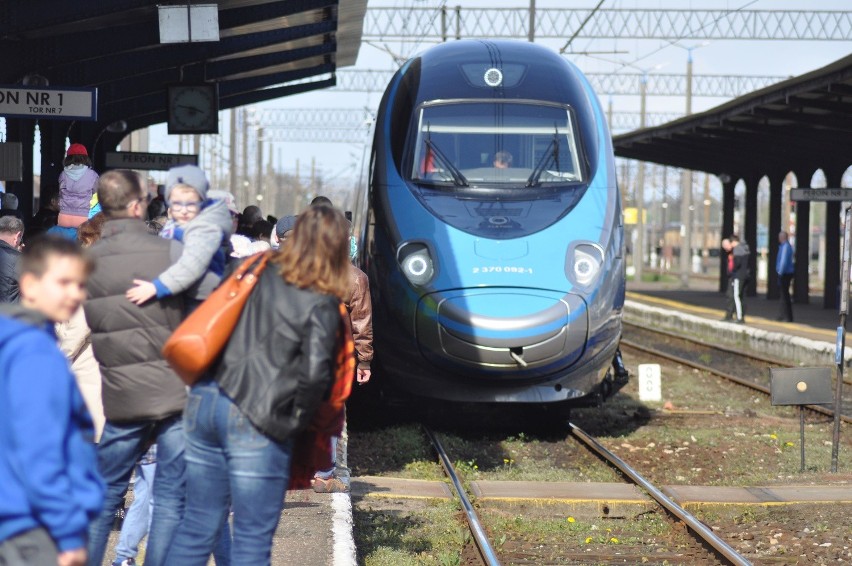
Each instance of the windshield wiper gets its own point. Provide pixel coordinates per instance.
(458, 179)
(546, 159)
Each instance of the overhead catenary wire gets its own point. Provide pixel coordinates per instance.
(582, 25)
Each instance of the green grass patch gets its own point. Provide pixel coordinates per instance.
(400, 451)
(578, 532)
(433, 535)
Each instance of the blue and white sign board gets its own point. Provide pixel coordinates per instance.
(49, 103)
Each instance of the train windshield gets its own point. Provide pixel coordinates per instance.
(506, 144)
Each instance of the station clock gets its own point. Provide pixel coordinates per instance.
(193, 108)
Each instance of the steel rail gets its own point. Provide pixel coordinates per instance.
(485, 549)
(720, 348)
(722, 374)
(706, 534)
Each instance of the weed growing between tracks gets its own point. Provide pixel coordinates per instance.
(401, 451)
(397, 533)
(545, 535)
(804, 534)
(709, 432)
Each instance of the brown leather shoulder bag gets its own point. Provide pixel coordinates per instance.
(198, 341)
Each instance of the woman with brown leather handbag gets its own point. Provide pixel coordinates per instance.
(243, 415)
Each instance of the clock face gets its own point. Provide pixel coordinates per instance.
(193, 109)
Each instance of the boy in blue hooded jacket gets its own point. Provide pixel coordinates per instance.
(50, 488)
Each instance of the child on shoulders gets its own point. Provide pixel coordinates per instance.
(203, 225)
(77, 184)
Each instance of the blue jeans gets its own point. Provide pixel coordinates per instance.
(138, 518)
(121, 446)
(229, 460)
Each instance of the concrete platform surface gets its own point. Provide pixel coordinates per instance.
(810, 320)
(564, 491)
(792, 342)
(315, 529)
(570, 492)
(375, 486)
(781, 494)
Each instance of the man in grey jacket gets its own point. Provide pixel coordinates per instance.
(143, 398)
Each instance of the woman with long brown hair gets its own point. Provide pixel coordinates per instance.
(241, 421)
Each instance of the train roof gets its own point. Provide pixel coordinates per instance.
(460, 69)
(494, 70)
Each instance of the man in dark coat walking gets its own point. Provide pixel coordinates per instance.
(11, 231)
(143, 398)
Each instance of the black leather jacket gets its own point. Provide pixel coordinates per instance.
(279, 362)
(8, 273)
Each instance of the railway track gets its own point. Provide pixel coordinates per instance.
(486, 551)
(756, 356)
(697, 349)
(718, 548)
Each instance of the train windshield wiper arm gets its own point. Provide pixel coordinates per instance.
(458, 179)
(546, 159)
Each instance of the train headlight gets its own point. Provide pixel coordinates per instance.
(416, 263)
(584, 263)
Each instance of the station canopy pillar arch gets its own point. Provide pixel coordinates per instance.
(749, 234)
(833, 178)
(729, 186)
(801, 279)
(776, 198)
(23, 131)
(800, 125)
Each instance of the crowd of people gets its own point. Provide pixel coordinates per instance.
(89, 404)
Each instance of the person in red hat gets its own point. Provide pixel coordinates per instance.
(77, 183)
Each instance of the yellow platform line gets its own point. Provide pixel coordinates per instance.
(689, 503)
(392, 495)
(718, 313)
(686, 504)
(563, 500)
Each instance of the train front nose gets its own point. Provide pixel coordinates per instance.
(501, 331)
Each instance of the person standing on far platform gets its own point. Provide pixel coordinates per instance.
(729, 268)
(785, 269)
(740, 275)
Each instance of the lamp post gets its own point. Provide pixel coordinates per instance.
(639, 252)
(705, 252)
(259, 164)
(686, 182)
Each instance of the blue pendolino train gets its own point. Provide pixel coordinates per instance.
(492, 229)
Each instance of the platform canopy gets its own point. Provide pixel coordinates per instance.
(801, 124)
(267, 49)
